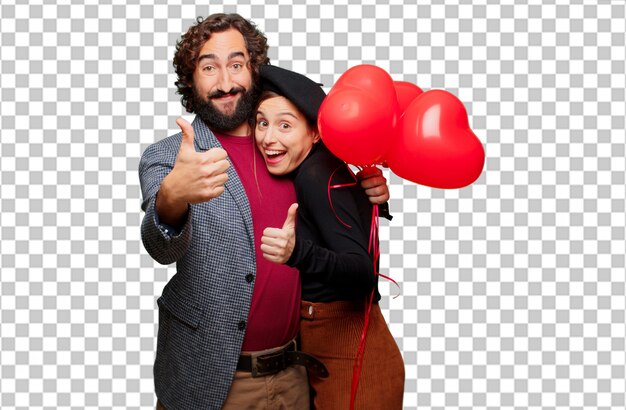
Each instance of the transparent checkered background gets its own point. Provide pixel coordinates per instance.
(512, 290)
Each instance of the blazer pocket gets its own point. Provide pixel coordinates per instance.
(181, 309)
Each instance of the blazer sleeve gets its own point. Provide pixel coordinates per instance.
(342, 259)
(163, 245)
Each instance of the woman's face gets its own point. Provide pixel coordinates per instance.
(282, 135)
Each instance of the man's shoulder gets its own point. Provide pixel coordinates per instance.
(170, 141)
(166, 145)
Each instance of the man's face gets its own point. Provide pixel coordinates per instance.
(223, 90)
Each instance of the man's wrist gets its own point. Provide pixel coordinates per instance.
(171, 212)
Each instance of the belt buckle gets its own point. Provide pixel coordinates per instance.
(268, 364)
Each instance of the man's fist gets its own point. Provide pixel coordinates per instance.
(196, 177)
(374, 184)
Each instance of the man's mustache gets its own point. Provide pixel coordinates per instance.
(233, 91)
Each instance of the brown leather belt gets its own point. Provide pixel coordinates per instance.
(263, 364)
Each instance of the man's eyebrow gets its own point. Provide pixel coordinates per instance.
(212, 56)
(236, 54)
(207, 57)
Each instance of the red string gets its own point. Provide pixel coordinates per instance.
(374, 251)
(358, 361)
(330, 201)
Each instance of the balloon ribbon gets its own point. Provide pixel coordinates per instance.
(374, 251)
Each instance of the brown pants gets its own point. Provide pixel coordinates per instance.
(332, 332)
(285, 390)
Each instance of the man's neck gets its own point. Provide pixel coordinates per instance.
(243, 130)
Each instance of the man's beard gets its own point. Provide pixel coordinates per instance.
(215, 119)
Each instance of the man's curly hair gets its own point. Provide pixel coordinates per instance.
(190, 44)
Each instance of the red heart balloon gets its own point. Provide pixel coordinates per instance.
(406, 93)
(368, 78)
(435, 145)
(353, 126)
(376, 83)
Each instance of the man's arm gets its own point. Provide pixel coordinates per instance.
(165, 243)
(196, 177)
(171, 181)
(375, 186)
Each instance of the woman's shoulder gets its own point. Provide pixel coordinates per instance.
(320, 166)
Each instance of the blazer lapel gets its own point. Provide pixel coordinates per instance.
(204, 140)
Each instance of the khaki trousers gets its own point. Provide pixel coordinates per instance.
(285, 390)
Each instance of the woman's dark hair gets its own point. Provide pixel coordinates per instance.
(190, 44)
(266, 95)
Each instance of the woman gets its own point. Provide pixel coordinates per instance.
(331, 249)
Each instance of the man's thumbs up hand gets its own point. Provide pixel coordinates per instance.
(197, 176)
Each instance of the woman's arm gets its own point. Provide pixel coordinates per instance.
(339, 254)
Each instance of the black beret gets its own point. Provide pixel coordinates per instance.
(304, 93)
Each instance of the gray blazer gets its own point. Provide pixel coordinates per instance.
(204, 307)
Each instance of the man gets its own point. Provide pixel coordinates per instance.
(228, 318)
